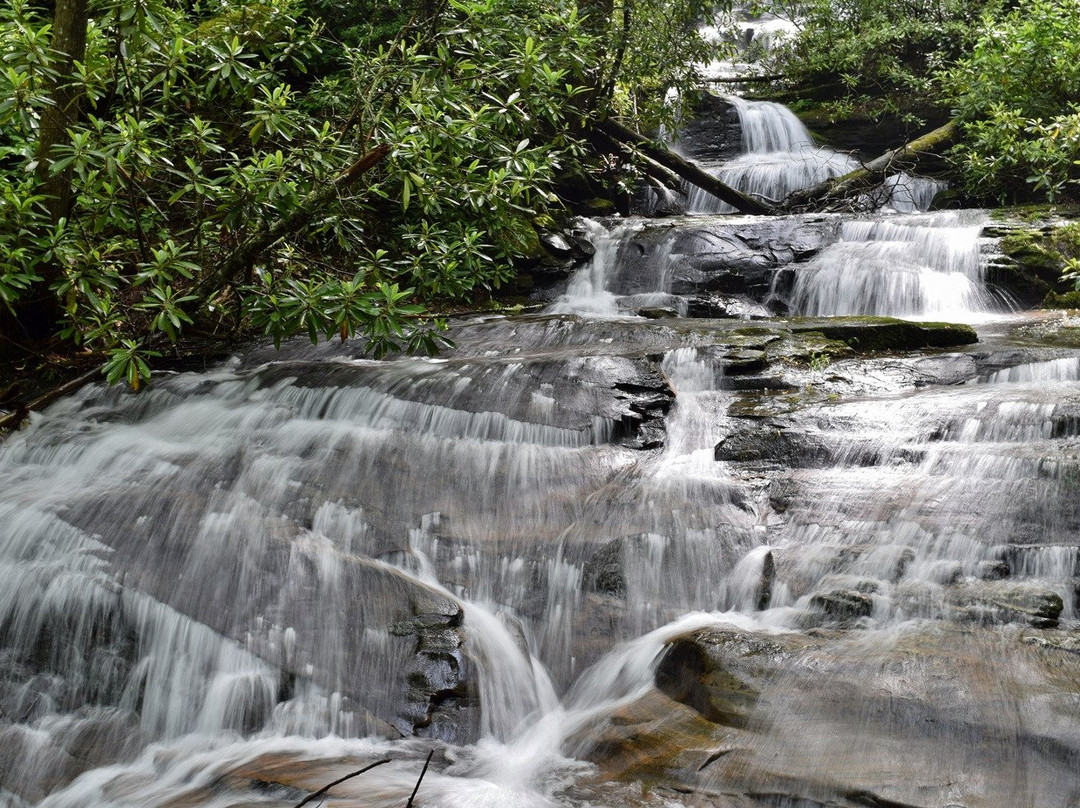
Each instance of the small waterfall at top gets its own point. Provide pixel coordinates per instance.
(779, 156)
(752, 36)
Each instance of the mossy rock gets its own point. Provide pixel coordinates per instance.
(1035, 257)
(802, 347)
(525, 239)
(1034, 213)
(1034, 250)
(1053, 332)
(597, 206)
(1066, 300)
(543, 221)
(874, 334)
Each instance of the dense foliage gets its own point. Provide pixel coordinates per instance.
(1008, 72)
(1018, 96)
(873, 56)
(224, 166)
(186, 171)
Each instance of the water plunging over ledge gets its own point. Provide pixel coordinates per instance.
(779, 156)
(588, 558)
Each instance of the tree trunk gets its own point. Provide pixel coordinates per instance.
(70, 20)
(40, 311)
(874, 172)
(684, 168)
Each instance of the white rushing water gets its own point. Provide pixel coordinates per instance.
(921, 266)
(779, 156)
(1066, 369)
(160, 553)
(237, 587)
(603, 287)
(588, 291)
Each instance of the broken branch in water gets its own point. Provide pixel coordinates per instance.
(419, 780)
(340, 780)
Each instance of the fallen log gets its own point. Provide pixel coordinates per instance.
(684, 168)
(653, 171)
(771, 77)
(873, 173)
(21, 410)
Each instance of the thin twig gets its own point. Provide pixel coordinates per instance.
(420, 779)
(326, 788)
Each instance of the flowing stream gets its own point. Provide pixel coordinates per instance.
(542, 555)
(779, 156)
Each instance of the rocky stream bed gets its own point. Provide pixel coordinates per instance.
(685, 537)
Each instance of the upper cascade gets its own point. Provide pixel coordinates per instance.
(770, 127)
(779, 156)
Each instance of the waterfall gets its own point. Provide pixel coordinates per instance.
(925, 266)
(915, 534)
(1065, 369)
(586, 558)
(588, 291)
(779, 156)
(613, 282)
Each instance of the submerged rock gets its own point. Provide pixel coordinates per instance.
(769, 441)
(843, 605)
(603, 572)
(440, 701)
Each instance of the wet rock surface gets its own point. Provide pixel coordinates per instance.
(878, 474)
(713, 131)
(930, 701)
(720, 674)
(719, 257)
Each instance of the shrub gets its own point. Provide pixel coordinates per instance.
(1016, 96)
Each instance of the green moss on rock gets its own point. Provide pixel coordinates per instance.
(1036, 256)
(597, 206)
(1066, 300)
(874, 334)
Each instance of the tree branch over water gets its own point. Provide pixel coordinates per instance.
(855, 182)
(684, 168)
(339, 781)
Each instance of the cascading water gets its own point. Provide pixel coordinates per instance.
(926, 266)
(602, 287)
(588, 291)
(578, 556)
(779, 156)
